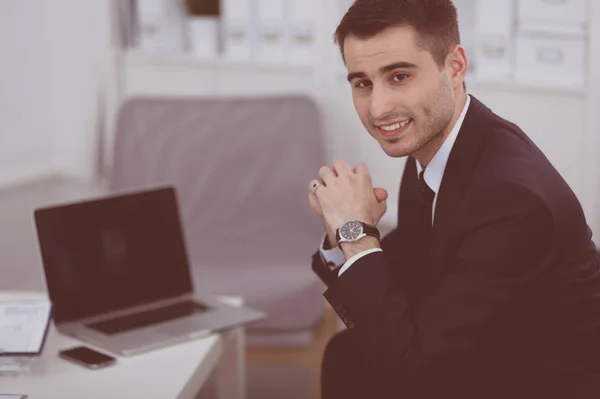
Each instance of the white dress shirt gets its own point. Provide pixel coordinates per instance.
(433, 177)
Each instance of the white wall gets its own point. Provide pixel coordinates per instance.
(79, 40)
(590, 164)
(25, 91)
(53, 55)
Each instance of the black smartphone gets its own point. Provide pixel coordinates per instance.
(87, 357)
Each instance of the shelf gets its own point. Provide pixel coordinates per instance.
(133, 57)
(508, 84)
(137, 57)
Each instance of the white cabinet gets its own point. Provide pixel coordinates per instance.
(553, 15)
(552, 42)
(556, 61)
(532, 42)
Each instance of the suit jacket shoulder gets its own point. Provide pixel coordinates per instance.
(507, 163)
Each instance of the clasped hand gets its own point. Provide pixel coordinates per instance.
(345, 194)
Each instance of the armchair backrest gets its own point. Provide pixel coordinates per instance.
(241, 168)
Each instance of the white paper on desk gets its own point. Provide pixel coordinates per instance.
(23, 325)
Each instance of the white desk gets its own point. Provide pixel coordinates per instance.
(175, 372)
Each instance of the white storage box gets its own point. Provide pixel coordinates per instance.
(203, 36)
(238, 30)
(494, 39)
(301, 20)
(553, 15)
(552, 60)
(493, 56)
(271, 36)
(161, 26)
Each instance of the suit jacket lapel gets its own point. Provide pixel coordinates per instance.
(457, 176)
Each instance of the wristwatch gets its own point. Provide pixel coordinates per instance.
(354, 230)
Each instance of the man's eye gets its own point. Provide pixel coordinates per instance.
(363, 83)
(400, 76)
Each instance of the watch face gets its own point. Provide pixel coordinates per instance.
(351, 230)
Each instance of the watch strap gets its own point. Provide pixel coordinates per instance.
(371, 230)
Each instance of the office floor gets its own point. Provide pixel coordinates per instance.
(307, 358)
(20, 268)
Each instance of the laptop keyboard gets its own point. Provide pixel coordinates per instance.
(148, 317)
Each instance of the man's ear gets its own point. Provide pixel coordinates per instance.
(457, 63)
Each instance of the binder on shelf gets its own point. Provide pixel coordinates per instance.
(301, 17)
(161, 26)
(203, 36)
(271, 32)
(24, 327)
(203, 28)
(237, 29)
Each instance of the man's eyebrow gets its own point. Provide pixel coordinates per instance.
(355, 75)
(384, 69)
(397, 65)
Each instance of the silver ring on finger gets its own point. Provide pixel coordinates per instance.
(314, 186)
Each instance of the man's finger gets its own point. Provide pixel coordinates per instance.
(326, 175)
(380, 193)
(314, 185)
(362, 169)
(340, 167)
(383, 205)
(314, 203)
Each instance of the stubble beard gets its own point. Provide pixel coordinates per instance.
(438, 114)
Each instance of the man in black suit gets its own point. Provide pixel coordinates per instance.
(489, 287)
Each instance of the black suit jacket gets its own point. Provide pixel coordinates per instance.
(511, 304)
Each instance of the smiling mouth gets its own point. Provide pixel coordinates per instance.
(395, 128)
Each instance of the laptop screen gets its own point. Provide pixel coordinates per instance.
(107, 254)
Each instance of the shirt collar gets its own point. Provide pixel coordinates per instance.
(435, 170)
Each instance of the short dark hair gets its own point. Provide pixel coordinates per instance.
(434, 22)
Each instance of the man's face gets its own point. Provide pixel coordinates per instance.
(402, 96)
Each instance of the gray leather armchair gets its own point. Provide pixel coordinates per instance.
(241, 168)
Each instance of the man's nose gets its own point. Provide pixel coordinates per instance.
(381, 103)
